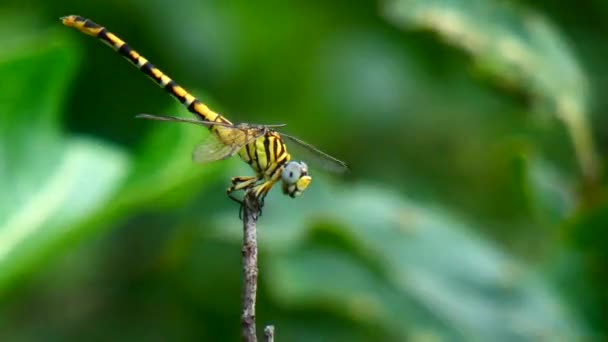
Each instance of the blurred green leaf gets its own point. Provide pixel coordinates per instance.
(57, 187)
(415, 270)
(49, 183)
(545, 191)
(430, 264)
(519, 48)
(581, 267)
(588, 231)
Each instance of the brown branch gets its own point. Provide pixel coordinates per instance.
(250, 267)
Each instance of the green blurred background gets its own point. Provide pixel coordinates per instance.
(475, 210)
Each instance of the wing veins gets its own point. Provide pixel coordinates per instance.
(335, 164)
(216, 147)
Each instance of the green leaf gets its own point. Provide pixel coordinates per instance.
(58, 189)
(50, 183)
(547, 192)
(76, 185)
(416, 271)
(516, 46)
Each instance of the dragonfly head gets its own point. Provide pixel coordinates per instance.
(295, 178)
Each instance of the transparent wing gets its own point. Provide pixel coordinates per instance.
(207, 124)
(315, 156)
(224, 143)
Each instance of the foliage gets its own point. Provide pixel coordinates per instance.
(474, 210)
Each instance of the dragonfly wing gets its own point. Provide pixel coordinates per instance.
(207, 124)
(316, 157)
(224, 143)
(174, 119)
(211, 149)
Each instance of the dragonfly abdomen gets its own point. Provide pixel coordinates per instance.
(193, 105)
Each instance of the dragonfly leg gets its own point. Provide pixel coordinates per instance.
(240, 183)
(260, 192)
(239, 180)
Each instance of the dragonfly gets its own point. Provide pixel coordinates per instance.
(262, 147)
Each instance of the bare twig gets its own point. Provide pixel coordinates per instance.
(250, 267)
(269, 333)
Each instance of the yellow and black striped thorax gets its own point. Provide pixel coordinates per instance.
(266, 155)
(200, 110)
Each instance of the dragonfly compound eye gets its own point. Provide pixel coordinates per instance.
(292, 172)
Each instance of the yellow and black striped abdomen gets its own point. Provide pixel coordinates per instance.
(200, 110)
(266, 155)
